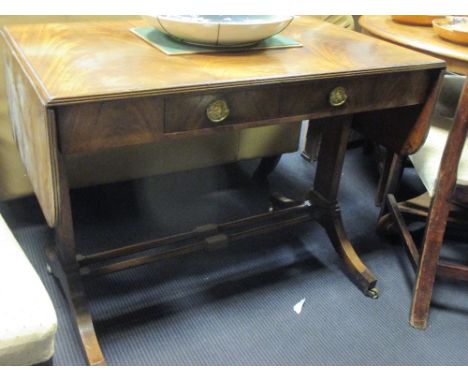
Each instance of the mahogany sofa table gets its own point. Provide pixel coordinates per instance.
(85, 87)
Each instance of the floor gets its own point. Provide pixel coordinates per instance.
(235, 306)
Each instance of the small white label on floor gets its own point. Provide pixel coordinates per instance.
(298, 307)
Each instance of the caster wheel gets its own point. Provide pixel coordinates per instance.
(373, 293)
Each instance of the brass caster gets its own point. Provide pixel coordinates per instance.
(373, 293)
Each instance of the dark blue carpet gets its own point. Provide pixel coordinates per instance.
(235, 306)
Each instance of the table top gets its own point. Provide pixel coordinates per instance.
(422, 38)
(82, 62)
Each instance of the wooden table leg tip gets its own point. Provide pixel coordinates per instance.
(418, 324)
(101, 362)
(372, 293)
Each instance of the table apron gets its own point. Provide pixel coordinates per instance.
(94, 126)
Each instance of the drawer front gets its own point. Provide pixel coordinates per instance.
(313, 99)
(109, 124)
(95, 126)
(185, 113)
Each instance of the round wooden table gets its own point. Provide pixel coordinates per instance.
(421, 38)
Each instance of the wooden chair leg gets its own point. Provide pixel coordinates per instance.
(405, 234)
(445, 269)
(389, 178)
(432, 244)
(438, 215)
(388, 184)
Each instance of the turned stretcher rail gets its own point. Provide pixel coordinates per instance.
(201, 244)
(199, 232)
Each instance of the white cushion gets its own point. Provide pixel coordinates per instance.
(27, 317)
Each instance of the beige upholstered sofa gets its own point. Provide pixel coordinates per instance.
(27, 317)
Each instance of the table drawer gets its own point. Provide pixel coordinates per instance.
(222, 108)
(100, 125)
(357, 94)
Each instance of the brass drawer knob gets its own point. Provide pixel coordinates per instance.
(338, 96)
(217, 111)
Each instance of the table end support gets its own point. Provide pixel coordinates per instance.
(323, 196)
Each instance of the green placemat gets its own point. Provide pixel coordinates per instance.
(173, 47)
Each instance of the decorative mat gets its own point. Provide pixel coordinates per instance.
(173, 47)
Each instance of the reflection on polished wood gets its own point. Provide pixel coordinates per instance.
(103, 60)
(96, 86)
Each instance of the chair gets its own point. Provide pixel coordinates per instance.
(442, 164)
(427, 159)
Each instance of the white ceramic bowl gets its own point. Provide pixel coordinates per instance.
(222, 31)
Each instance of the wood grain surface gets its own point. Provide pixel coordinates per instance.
(421, 38)
(95, 126)
(184, 113)
(30, 122)
(368, 92)
(78, 62)
(102, 125)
